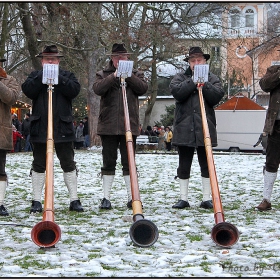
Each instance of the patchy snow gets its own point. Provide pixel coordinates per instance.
(96, 243)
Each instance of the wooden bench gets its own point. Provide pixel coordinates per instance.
(143, 143)
(142, 140)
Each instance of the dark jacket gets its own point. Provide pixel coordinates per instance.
(25, 127)
(270, 82)
(187, 127)
(85, 131)
(111, 115)
(67, 89)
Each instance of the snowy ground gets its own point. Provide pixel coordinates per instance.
(96, 243)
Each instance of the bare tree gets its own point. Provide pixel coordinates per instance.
(154, 32)
(30, 36)
(4, 29)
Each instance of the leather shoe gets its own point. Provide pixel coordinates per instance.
(129, 204)
(76, 205)
(206, 204)
(105, 204)
(181, 204)
(36, 206)
(3, 211)
(264, 205)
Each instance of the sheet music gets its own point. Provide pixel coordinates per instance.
(50, 74)
(125, 67)
(201, 72)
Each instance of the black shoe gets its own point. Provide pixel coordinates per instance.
(206, 204)
(105, 204)
(181, 204)
(76, 205)
(36, 206)
(3, 211)
(129, 204)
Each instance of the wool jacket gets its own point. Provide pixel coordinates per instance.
(187, 127)
(111, 119)
(67, 89)
(9, 92)
(270, 82)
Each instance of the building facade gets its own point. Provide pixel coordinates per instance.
(244, 61)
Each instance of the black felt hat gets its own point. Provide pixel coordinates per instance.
(118, 49)
(50, 51)
(194, 51)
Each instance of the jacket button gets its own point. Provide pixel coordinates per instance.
(194, 111)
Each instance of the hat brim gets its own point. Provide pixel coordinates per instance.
(118, 53)
(49, 54)
(206, 56)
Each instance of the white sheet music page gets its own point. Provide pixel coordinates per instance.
(125, 67)
(50, 74)
(201, 72)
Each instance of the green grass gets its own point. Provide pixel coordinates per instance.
(28, 261)
(194, 238)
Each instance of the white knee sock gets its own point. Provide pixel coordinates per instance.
(3, 185)
(184, 184)
(38, 182)
(70, 179)
(128, 186)
(206, 189)
(269, 179)
(107, 185)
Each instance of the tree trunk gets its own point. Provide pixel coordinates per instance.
(93, 100)
(31, 39)
(4, 31)
(154, 90)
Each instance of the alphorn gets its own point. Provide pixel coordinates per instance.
(143, 232)
(223, 234)
(47, 233)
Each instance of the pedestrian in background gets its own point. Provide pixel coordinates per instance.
(25, 131)
(80, 135)
(17, 124)
(161, 143)
(168, 138)
(86, 133)
(16, 135)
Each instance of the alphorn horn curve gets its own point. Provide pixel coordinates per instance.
(223, 234)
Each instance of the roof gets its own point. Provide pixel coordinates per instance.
(240, 102)
(20, 104)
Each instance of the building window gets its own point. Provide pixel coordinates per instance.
(249, 18)
(215, 53)
(234, 18)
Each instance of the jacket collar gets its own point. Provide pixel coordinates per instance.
(188, 72)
